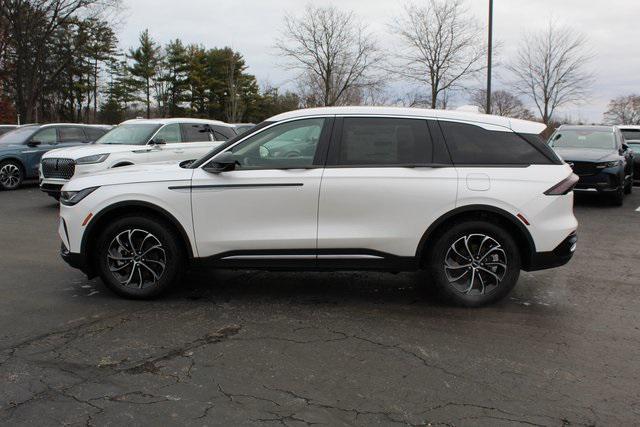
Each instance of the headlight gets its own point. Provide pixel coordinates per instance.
(96, 158)
(70, 198)
(611, 164)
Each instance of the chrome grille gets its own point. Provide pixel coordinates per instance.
(58, 168)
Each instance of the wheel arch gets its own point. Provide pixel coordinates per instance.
(17, 159)
(523, 238)
(119, 209)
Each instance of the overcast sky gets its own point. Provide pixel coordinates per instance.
(252, 26)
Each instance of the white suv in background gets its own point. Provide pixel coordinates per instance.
(470, 198)
(133, 142)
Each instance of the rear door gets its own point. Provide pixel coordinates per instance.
(386, 180)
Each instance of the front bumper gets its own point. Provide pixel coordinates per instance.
(606, 180)
(561, 255)
(77, 261)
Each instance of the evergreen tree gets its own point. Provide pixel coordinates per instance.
(144, 68)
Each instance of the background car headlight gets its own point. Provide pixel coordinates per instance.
(96, 158)
(611, 164)
(70, 198)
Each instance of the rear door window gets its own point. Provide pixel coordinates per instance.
(381, 141)
(93, 134)
(223, 133)
(71, 134)
(474, 145)
(196, 132)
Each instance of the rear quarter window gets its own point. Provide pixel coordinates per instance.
(473, 145)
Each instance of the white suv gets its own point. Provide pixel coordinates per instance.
(470, 198)
(130, 143)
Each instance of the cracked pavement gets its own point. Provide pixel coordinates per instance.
(262, 348)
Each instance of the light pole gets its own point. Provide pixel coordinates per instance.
(490, 40)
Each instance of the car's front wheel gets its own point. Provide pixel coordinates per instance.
(11, 175)
(474, 263)
(139, 257)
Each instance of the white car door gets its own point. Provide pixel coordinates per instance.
(386, 180)
(198, 140)
(166, 144)
(268, 205)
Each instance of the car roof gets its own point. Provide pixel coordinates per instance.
(517, 125)
(177, 120)
(588, 127)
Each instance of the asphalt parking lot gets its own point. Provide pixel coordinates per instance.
(238, 348)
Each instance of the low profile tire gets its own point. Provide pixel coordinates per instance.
(139, 257)
(474, 263)
(617, 198)
(11, 175)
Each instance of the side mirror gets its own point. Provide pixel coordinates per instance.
(224, 162)
(625, 147)
(157, 141)
(34, 143)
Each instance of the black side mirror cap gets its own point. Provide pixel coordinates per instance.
(157, 142)
(34, 143)
(224, 162)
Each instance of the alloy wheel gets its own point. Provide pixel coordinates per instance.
(10, 176)
(136, 258)
(475, 264)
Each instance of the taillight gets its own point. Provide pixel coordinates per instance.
(563, 187)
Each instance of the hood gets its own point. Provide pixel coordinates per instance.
(144, 173)
(90, 150)
(586, 154)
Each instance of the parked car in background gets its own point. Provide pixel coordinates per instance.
(599, 156)
(134, 142)
(7, 128)
(22, 148)
(631, 136)
(243, 127)
(471, 198)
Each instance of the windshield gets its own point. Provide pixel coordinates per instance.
(630, 134)
(130, 134)
(18, 136)
(583, 138)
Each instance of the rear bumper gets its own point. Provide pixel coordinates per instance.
(561, 255)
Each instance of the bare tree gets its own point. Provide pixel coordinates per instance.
(503, 103)
(624, 110)
(442, 46)
(334, 53)
(550, 68)
(32, 25)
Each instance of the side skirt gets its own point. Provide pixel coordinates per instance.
(310, 260)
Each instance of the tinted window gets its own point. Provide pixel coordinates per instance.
(46, 136)
(223, 133)
(195, 132)
(94, 133)
(169, 134)
(385, 141)
(473, 145)
(287, 145)
(71, 134)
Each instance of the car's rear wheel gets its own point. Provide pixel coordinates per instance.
(11, 175)
(474, 263)
(628, 188)
(139, 257)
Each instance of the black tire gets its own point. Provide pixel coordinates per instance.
(11, 175)
(110, 254)
(486, 289)
(617, 198)
(628, 188)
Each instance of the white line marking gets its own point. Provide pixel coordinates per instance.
(638, 210)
